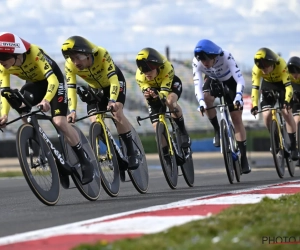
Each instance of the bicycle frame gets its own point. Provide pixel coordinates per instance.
(100, 116)
(274, 112)
(224, 112)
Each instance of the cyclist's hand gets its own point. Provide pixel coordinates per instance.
(45, 104)
(112, 106)
(238, 100)
(254, 110)
(72, 116)
(147, 93)
(154, 93)
(3, 121)
(202, 106)
(286, 105)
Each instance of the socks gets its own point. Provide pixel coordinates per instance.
(79, 151)
(292, 137)
(242, 146)
(215, 123)
(180, 123)
(127, 139)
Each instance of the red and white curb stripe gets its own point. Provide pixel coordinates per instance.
(143, 221)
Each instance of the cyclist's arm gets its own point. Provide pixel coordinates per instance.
(198, 81)
(256, 77)
(71, 83)
(237, 75)
(288, 85)
(49, 75)
(5, 83)
(167, 76)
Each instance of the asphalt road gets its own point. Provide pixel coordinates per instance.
(21, 211)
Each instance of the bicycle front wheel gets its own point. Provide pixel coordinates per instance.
(277, 149)
(40, 173)
(139, 176)
(226, 150)
(109, 168)
(187, 167)
(168, 162)
(237, 160)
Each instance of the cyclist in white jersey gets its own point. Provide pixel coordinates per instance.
(219, 66)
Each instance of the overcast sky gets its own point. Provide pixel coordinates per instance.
(127, 26)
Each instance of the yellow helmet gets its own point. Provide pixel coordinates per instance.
(149, 59)
(75, 44)
(265, 57)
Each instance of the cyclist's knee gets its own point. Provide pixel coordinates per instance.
(60, 121)
(208, 98)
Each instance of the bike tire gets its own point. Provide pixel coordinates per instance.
(187, 168)
(28, 146)
(289, 163)
(168, 163)
(90, 191)
(237, 161)
(109, 169)
(226, 150)
(140, 176)
(277, 152)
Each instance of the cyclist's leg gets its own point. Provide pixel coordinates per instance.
(211, 113)
(171, 102)
(296, 112)
(59, 107)
(290, 124)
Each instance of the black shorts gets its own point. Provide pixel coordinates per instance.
(59, 103)
(154, 105)
(230, 84)
(296, 99)
(267, 99)
(91, 108)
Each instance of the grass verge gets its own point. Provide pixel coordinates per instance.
(251, 226)
(11, 174)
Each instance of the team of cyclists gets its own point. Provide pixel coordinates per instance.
(157, 80)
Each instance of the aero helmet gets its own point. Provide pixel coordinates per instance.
(265, 57)
(12, 45)
(149, 59)
(206, 49)
(294, 65)
(75, 44)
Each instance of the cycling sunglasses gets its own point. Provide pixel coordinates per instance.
(202, 56)
(145, 66)
(5, 56)
(293, 69)
(263, 63)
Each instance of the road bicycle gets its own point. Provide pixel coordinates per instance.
(43, 164)
(111, 154)
(280, 142)
(171, 154)
(229, 147)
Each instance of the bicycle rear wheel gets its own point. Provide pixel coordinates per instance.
(90, 191)
(139, 176)
(236, 158)
(41, 174)
(277, 150)
(187, 167)
(109, 169)
(168, 162)
(226, 150)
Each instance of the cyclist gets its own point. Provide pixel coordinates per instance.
(45, 81)
(155, 76)
(275, 77)
(219, 66)
(95, 66)
(294, 71)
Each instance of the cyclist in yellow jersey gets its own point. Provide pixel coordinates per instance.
(275, 77)
(45, 81)
(293, 65)
(95, 66)
(156, 72)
